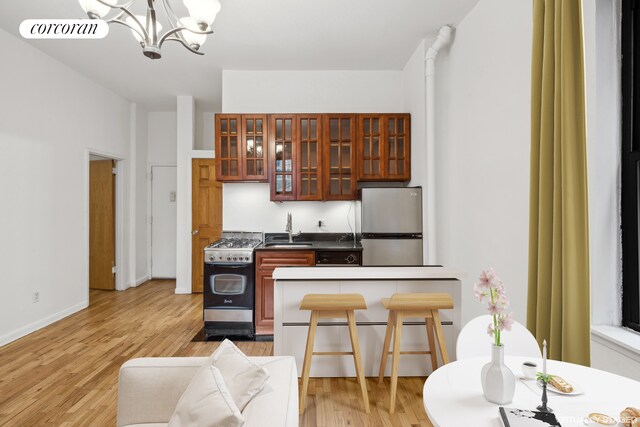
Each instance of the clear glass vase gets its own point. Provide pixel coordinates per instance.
(498, 382)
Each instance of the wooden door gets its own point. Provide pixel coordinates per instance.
(102, 235)
(397, 134)
(206, 215)
(229, 166)
(266, 262)
(309, 152)
(282, 156)
(254, 147)
(371, 162)
(339, 156)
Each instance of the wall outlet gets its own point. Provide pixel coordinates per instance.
(36, 296)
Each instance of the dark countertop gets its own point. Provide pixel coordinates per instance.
(317, 241)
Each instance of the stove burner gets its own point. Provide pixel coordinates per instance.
(240, 243)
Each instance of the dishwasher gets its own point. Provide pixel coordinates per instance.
(334, 258)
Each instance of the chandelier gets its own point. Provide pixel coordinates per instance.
(190, 31)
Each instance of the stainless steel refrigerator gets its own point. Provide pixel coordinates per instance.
(391, 226)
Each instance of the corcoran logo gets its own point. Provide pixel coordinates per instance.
(64, 29)
(228, 301)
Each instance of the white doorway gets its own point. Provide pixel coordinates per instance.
(163, 221)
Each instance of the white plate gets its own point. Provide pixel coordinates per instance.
(577, 390)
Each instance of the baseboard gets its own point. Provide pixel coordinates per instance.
(181, 291)
(32, 327)
(143, 279)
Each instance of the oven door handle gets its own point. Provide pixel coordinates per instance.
(232, 266)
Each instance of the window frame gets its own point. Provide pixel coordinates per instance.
(630, 164)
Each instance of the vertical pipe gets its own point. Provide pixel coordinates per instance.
(444, 35)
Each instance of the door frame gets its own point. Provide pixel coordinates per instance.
(119, 217)
(150, 167)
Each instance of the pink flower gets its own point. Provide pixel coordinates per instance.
(506, 322)
(487, 276)
(480, 292)
(490, 330)
(494, 308)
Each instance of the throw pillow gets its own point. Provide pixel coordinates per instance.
(244, 378)
(206, 402)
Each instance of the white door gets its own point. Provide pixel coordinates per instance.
(163, 221)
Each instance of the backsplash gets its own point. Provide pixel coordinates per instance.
(246, 206)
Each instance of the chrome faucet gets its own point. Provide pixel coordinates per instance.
(289, 228)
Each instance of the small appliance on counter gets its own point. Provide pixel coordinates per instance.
(391, 225)
(229, 288)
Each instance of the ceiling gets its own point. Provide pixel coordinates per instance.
(249, 35)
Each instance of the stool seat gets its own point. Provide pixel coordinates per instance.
(333, 306)
(333, 302)
(419, 302)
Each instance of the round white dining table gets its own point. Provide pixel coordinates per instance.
(452, 395)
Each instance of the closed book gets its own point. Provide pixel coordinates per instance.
(512, 417)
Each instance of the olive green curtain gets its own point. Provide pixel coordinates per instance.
(558, 307)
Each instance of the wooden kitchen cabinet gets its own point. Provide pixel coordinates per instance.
(283, 156)
(241, 147)
(339, 153)
(384, 147)
(266, 262)
(309, 168)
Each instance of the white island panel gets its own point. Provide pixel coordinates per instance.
(291, 324)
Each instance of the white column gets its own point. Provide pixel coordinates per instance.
(185, 139)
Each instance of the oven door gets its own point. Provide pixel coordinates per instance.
(228, 292)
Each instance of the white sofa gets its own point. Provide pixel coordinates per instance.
(149, 389)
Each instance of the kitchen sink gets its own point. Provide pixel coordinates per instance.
(288, 245)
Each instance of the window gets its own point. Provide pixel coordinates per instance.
(630, 162)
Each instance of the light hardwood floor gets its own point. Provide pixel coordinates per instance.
(67, 373)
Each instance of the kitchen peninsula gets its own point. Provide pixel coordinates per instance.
(374, 283)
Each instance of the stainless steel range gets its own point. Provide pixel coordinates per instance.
(229, 284)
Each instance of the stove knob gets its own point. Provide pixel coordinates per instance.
(228, 258)
(246, 258)
(212, 258)
(235, 258)
(351, 259)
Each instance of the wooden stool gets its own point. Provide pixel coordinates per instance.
(332, 306)
(412, 305)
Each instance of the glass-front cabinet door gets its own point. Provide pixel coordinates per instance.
(370, 154)
(309, 153)
(339, 156)
(282, 155)
(254, 146)
(398, 147)
(228, 147)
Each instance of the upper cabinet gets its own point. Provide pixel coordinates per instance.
(339, 156)
(313, 156)
(241, 147)
(308, 149)
(384, 147)
(228, 147)
(283, 155)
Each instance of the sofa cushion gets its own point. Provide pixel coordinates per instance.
(206, 402)
(243, 377)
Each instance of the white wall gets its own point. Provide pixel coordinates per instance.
(50, 117)
(141, 233)
(161, 134)
(247, 206)
(602, 60)
(482, 147)
(414, 99)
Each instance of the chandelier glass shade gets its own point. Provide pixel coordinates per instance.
(190, 31)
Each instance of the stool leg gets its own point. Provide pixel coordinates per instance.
(308, 353)
(385, 346)
(432, 343)
(440, 336)
(396, 358)
(355, 345)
